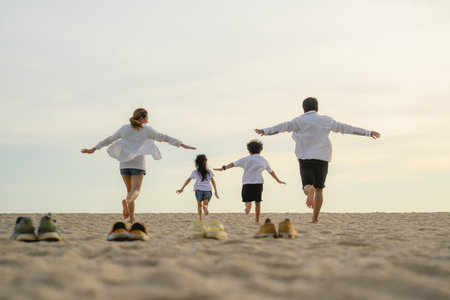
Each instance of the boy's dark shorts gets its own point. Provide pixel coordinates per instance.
(313, 171)
(252, 192)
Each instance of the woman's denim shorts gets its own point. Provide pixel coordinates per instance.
(131, 172)
(202, 195)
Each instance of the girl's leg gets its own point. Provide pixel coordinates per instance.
(205, 206)
(199, 209)
(127, 181)
(257, 211)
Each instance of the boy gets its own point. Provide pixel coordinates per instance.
(252, 180)
(313, 148)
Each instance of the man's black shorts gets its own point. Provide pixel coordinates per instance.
(313, 171)
(252, 192)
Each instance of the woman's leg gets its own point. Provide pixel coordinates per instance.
(127, 181)
(136, 184)
(133, 184)
(205, 206)
(199, 209)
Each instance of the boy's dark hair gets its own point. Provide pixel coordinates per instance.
(310, 103)
(255, 146)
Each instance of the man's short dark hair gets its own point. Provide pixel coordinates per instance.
(255, 146)
(310, 103)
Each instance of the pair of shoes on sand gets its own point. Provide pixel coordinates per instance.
(285, 230)
(213, 230)
(48, 230)
(120, 232)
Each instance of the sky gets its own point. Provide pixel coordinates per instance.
(209, 73)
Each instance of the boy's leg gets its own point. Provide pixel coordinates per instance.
(257, 211)
(248, 207)
(205, 206)
(199, 209)
(318, 205)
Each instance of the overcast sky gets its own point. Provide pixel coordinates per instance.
(209, 72)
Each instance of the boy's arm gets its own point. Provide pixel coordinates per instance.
(276, 178)
(229, 166)
(184, 185)
(213, 182)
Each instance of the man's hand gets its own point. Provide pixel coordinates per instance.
(375, 135)
(260, 131)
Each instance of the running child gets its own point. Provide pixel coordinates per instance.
(252, 180)
(129, 146)
(202, 186)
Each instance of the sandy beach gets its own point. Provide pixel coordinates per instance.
(345, 256)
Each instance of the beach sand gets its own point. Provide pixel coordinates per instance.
(345, 256)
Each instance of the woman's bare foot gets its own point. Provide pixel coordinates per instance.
(310, 198)
(126, 211)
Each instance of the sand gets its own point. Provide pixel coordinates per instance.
(345, 256)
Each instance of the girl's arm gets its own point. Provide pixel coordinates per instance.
(213, 182)
(276, 178)
(184, 185)
(229, 166)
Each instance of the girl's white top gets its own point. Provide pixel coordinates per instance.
(253, 166)
(200, 185)
(129, 145)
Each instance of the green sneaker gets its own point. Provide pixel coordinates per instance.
(24, 230)
(48, 230)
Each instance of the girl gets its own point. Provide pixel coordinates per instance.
(202, 187)
(129, 146)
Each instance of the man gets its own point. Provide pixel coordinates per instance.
(313, 148)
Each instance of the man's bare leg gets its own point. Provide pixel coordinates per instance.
(309, 190)
(318, 205)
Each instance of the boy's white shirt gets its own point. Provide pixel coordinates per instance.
(253, 166)
(129, 145)
(310, 132)
(200, 185)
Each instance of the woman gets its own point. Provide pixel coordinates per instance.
(129, 146)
